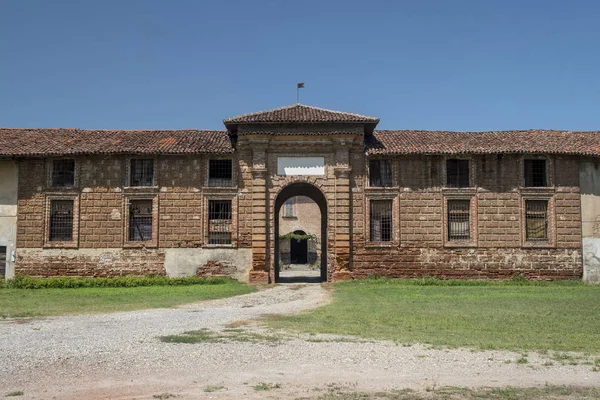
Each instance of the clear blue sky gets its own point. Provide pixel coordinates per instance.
(450, 65)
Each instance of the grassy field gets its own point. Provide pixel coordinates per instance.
(560, 317)
(43, 302)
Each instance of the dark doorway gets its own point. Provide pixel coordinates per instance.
(2, 261)
(308, 190)
(299, 249)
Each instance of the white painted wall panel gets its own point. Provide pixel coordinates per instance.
(289, 166)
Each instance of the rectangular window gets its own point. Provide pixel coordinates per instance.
(2, 262)
(459, 220)
(457, 173)
(288, 207)
(535, 173)
(220, 173)
(536, 220)
(381, 221)
(142, 172)
(63, 173)
(140, 220)
(61, 221)
(380, 173)
(219, 222)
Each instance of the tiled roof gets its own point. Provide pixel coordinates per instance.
(441, 142)
(299, 113)
(35, 142)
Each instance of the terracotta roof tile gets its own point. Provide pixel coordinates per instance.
(442, 142)
(36, 142)
(299, 113)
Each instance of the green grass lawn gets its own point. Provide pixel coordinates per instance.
(43, 302)
(561, 317)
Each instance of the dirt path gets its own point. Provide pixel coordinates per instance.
(119, 356)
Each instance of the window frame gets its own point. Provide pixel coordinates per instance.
(50, 173)
(208, 169)
(234, 219)
(74, 242)
(550, 242)
(395, 239)
(153, 241)
(129, 183)
(549, 172)
(458, 176)
(370, 171)
(473, 221)
(291, 202)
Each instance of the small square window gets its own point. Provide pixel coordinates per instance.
(459, 220)
(63, 173)
(457, 172)
(142, 172)
(220, 173)
(535, 173)
(381, 221)
(61, 221)
(536, 220)
(219, 222)
(140, 220)
(380, 173)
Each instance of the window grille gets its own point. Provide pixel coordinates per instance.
(220, 173)
(142, 172)
(457, 173)
(381, 220)
(2, 261)
(535, 173)
(380, 173)
(459, 220)
(536, 220)
(61, 220)
(140, 220)
(219, 222)
(288, 207)
(63, 173)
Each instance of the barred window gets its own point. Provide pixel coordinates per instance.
(459, 220)
(142, 172)
(457, 173)
(140, 220)
(536, 220)
(220, 173)
(380, 173)
(535, 173)
(219, 222)
(63, 173)
(61, 221)
(288, 207)
(381, 221)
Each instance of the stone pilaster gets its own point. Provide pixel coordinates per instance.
(342, 212)
(260, 226)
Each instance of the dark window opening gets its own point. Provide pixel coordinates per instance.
(2, 262)
(299, 249)
(535, 173)
(140, 220)
(459, 220)
(219, 222)
(61, 220)
(380, 173)
(458, 173)
(536, 220)
(63, 173)
(381, 221)
(142, 172)
(220, 173)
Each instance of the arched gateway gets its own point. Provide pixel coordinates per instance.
(308, 190)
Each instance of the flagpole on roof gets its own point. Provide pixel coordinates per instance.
(298, 87)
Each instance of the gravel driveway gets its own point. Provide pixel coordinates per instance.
(120, 356)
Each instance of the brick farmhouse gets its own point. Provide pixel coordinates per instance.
(406, 203)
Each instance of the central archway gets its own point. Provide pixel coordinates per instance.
(312, 192)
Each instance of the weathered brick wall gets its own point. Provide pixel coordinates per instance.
(498, 250)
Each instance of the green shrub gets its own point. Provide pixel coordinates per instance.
(63, 282)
